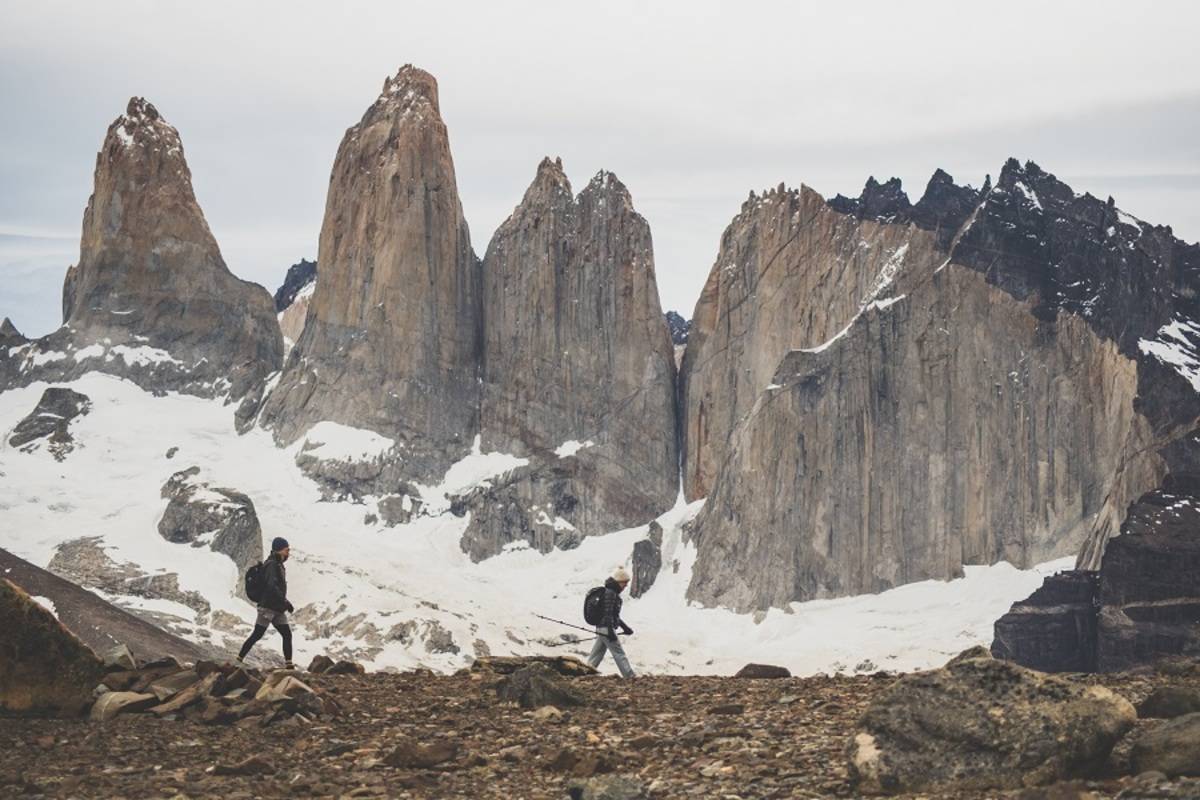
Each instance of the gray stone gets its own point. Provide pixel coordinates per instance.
(109, 704)
(537, 685)
(1172, 747)
(983, 724)
(51, 421)
(608, 787)
(1168, 702)
(225, 518)
(120, 657)
(646, 562)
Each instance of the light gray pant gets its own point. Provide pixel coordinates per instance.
(618, 652)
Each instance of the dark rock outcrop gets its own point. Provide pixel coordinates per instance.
(984, 724)
(99, 624)
(1141, 606)
(299, 276)
(9, 335)
(763, 671)
(1054, 629)
(855, 360)
(645, 563)
(392, 341)
(1168, 702)
(678, 327)
(44, 669)
(151, 298)
(50, 422)
(202, 515)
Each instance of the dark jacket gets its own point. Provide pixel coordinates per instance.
(274, 594)
(611, 607)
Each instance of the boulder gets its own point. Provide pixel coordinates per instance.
(44, 669)
(537, 685)
(109, 704)
(608, 787)
(50, 422)
(1168, 702)
(1172, 748)
(209, 684)
(286, 687)
(762, 671)
(983, 724)
(646, 562)
(320, 664)
(201, 514)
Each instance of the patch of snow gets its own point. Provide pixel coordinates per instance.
(1029, 194)
(1176, 344)
(332, 441)
(41, 358)
(91, 351)
(571, 447)
(142, 355)
(46, 603)
(473, 469)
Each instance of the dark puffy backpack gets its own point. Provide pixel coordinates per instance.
(593, 606)
(256, 581)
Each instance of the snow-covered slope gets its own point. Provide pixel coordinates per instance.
(406, 596)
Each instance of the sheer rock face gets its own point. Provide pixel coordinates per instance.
(151, 298)
(959, 403)
(392, 339)
(576, 349)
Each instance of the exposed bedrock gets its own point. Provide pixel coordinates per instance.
(391, 343)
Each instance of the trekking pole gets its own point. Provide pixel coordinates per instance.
(569, 625)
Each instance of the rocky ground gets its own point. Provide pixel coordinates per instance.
(677, 736)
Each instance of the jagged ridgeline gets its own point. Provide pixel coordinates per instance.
(553, 349)
(876, 392)
(871, 391)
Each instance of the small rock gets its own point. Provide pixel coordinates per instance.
(167, 687)
(346, 668)
(409, 753)
(1168, 702)
(119, 658)
(548, 714)
(644, 742)
(762, 671)
(284, 689)
(728, 708)
(112, 703)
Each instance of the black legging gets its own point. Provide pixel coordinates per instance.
(284, 630)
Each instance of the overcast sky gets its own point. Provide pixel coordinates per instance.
(692, 104)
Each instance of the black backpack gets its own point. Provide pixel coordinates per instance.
(593, 606)
(256, 581)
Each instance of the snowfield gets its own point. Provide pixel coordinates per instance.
(407, 596)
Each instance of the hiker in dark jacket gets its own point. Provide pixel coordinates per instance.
(273, 608)
(606, 631)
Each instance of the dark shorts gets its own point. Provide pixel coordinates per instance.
(269, 616)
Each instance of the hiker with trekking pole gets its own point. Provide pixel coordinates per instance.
(602, 608)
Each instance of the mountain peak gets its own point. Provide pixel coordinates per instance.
(410, 87)
(140, 109)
